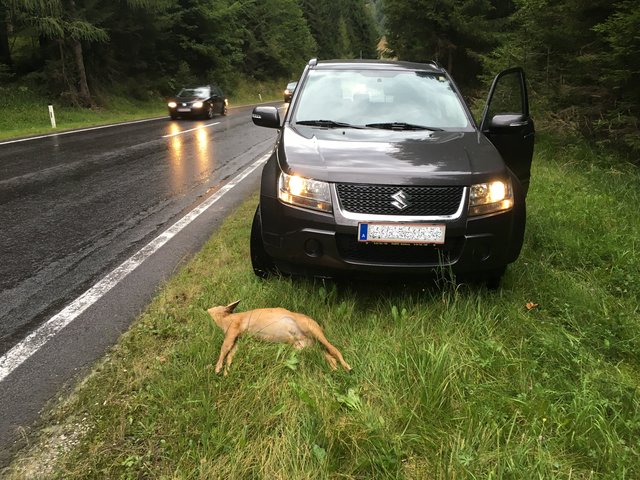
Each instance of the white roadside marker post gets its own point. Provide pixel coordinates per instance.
(52, 116)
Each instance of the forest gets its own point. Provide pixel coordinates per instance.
(582, 58)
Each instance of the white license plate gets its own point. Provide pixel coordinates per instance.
(401, 233)
(184, 109)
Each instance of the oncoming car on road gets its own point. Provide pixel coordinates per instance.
(203, 101)
(288, 92)
(380, 168)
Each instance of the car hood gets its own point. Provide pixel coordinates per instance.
(388, 157)
(188, 99)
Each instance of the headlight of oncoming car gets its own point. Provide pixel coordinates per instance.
(304, 192)
(490, 197)
(172, 104)
(197, 105)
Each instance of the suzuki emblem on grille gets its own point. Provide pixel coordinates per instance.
(401, 200)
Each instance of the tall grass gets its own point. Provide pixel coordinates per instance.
(536, 380)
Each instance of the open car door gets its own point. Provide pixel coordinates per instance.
(506, 122)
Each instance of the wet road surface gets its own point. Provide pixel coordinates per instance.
(75, 206)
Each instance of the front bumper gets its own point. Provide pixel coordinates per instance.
(186, 111)
(302, 241)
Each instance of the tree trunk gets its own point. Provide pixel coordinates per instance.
(83, 86)
(5, 50)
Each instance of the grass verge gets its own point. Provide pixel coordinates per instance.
(449, 382)
(25, 112)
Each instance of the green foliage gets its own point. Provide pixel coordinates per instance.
(156, 45)
(277, 42)
(451, 32)
(581, 58)
(621, 64)
(5, 73)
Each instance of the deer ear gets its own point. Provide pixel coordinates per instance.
(232, 306)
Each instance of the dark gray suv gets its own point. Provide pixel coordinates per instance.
(380, 168)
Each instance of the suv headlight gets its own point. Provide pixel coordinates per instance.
(304, 192)
(197, 105)
(172, 104)
(490, 197)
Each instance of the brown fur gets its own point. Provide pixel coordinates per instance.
(272, 324)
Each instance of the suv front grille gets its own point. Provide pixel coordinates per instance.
(419, 201)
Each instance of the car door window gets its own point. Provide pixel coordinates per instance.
(507, 96)
(507, 124)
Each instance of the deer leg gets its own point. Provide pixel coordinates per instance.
(227, 345)
(230, 355)
(332, 361)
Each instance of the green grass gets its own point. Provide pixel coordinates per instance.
(25, 112)
(448, 382)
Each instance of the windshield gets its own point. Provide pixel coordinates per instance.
(201, 92)
(291, 86)
(381, 98)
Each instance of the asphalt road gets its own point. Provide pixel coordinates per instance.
(73, 207)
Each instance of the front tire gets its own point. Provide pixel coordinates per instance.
(262, 263)
(209, 113)
(223, 112)
(493, 278)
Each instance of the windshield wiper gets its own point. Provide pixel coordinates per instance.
(327, 124)
(402, 126)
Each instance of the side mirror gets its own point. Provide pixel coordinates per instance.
(507, 120)
(266, 117)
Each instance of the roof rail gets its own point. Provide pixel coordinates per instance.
(313, 62)
(434, 63)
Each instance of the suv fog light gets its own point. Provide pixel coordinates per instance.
(490, 197)
(313, 248)
(481, 252)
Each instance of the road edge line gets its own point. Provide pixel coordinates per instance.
(28, 346)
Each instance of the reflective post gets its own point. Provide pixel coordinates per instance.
(52, 116)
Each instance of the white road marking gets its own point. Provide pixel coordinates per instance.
(191, 130)
(80, 130)
(39, 337)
